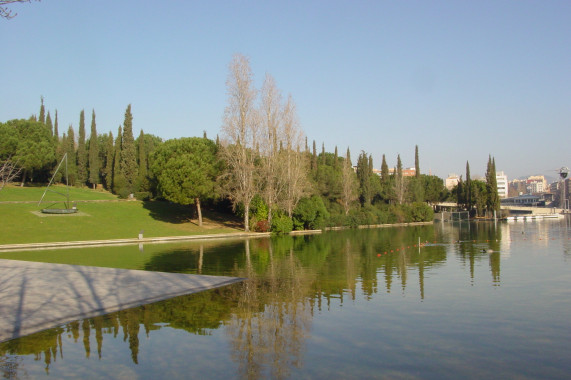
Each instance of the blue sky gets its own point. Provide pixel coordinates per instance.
(460, 79)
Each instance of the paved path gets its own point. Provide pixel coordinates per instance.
(37, 296)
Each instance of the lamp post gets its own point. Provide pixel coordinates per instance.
(563, 172)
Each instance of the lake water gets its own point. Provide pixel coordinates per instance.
(345, 304)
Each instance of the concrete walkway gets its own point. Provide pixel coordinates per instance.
(100, 243)
(37, 296)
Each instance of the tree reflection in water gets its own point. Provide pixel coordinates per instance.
(267, 319)
(268, 327)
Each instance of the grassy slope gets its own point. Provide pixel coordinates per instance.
(21, 223)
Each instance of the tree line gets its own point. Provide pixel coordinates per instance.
(479, 197)
(261, 166)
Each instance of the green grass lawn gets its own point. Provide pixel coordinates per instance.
(24, 223)
(34, 193)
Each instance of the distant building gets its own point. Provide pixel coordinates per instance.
(517, 187)
(502, 184)
(406, 172)
(451, 181)
(524, 200)
(536, 184)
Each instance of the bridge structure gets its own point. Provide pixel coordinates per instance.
(452, 206)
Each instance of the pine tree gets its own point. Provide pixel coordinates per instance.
(128, 156)
(93, 154)
(81, 152)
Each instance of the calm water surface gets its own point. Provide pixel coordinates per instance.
(347, 304)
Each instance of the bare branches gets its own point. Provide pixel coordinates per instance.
(9, 171)
(5, 12)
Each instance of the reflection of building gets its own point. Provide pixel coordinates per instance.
(452, 181)
(502, 184)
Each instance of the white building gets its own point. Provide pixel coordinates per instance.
(452, 181)
(536, 184)
(502, 182)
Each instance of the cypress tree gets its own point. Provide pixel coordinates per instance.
(370, 166)
(81, 152)
(128, 156)
(348, 157)
(323, 154)
(71, 154)
(364, 177)
(468, 187)
(42, 112)
(384, 171)
(335, 158)
(49, 123)
(399, 181)
(314, 158)
(493, 201)
(93, 153)
(416, 162)
(108, 172)
(142, 179)
(56, 132)
(118, 178)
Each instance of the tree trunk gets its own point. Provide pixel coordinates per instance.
(199, 212)
(247, 217)
(23, 178)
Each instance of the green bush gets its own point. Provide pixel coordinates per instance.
(311, 213)
(142, 195)
(282, 224)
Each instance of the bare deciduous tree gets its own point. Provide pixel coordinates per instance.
(9, 171)
(240, 129)
(270, 133)
(5, 12)
(293, 161)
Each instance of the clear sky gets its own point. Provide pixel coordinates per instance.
(462, 79)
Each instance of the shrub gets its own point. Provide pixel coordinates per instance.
(261, 226)
(142, 195)
(282, 224)
(311, 213)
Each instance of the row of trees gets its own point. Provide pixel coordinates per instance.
(477, 196)
(34, 147)
(259, 164)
